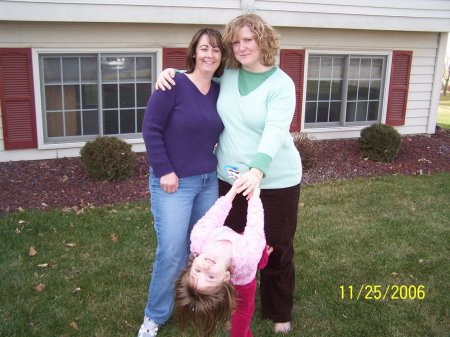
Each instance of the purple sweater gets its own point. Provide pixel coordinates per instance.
(180, 128)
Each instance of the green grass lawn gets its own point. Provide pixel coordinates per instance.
(443, 118)
(368, 235)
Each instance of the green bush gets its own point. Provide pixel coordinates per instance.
(306, 148)
(108, 158)
(379, 142)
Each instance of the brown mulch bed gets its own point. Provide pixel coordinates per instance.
(62, 183)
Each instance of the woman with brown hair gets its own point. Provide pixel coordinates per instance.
(181, 129)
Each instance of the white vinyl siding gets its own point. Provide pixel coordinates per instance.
(414, 15)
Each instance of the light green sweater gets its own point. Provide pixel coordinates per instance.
(258, 123)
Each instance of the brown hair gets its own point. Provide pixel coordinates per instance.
(206, 312)
(215, 39)
(264, 34)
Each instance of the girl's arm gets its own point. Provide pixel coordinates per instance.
(254, 230)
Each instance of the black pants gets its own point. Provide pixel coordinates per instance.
(277, 280)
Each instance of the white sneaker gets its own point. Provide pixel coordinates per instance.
(148, 328)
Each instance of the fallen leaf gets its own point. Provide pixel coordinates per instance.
(20, 209)
(40, 288)
(32, 251)
(74, 325)
(394, 274)
(77, 290)
(43, 265)
(114, 237)
(22, 221)
(70, 245)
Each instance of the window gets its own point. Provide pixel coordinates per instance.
(85, 96)
(344, 90)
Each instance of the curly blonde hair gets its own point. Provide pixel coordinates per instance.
(206, 312)
(264, 34)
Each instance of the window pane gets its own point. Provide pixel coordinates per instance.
(52, 70)
(311, 90)
(53, 97)
(353, 71)
(373, 111)
(110, 122)
(322, 112)
(352, 90)
(110, 66)
(374, 89)
(90, 122)
(89, 69)
(310, 112)
(363, 90)
(126, 73)
(335, 111)
(361, 111)
(70, 69)
(140, 117)
(365, 69)
(324, 92)
(313, 67)
(110, 96)
(143, 69)
(89, 96)
(336, 90)
(127, 121)
(143, 93)
(73, 123)
(55, 124)
(377, 68)
(338, 67)
(127, 95)
(325, 67)
(351, 112)
(71, 97)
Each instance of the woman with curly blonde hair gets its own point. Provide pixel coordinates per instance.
(256, 104)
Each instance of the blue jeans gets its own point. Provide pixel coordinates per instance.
(174, 215)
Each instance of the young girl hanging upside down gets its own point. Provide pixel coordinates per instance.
(219, 281)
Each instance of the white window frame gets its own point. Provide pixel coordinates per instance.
(352, 129)
(36, 52)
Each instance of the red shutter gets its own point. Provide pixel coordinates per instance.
(17, 99)
(174, 58)
(292, 61)
(398, 87)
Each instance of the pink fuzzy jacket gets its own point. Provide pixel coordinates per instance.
(247, 247)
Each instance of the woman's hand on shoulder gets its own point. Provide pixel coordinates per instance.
(165, 79)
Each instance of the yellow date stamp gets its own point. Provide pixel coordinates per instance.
(378, 292)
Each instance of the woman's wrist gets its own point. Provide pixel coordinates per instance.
(258, 173)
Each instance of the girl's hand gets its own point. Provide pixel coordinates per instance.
(269, 249)
(165, 78)
(232, 192)
(169, 182)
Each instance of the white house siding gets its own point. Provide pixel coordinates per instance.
(415, 15)
(357, 26)
(425, 50)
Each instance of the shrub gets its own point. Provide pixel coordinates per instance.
(108, 158)
(379, 142)
(307, 150)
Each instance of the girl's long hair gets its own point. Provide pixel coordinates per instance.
(205, 312)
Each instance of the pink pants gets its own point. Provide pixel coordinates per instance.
(242, 316)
